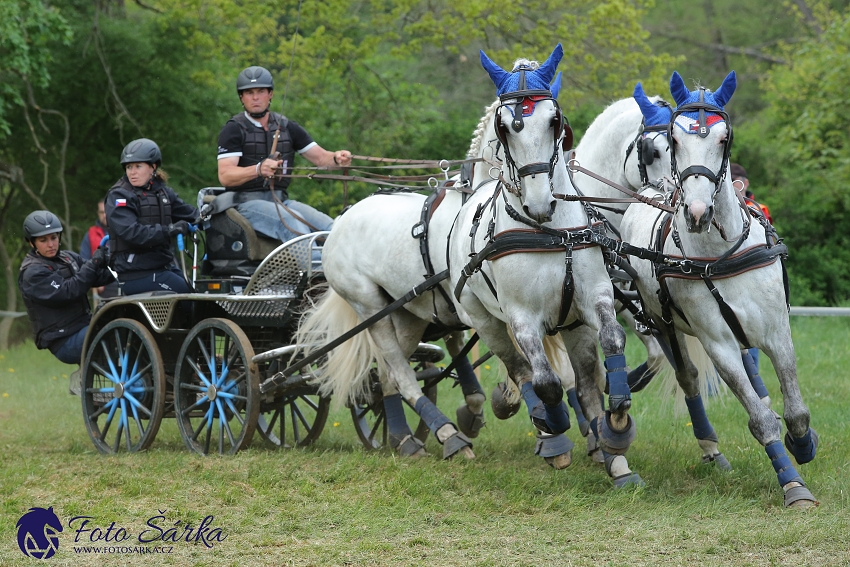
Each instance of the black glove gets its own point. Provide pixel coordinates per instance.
(100, 258)
(179, 227)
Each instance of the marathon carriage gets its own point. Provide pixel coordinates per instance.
(202, 357)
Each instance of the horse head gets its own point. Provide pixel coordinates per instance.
(701, 136)
(651, 146)
(530, 127)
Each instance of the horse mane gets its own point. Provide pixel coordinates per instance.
(478, 134)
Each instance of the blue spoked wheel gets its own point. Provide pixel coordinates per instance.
(123, 387)
(216, 388)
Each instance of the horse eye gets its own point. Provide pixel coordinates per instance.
(656, 154)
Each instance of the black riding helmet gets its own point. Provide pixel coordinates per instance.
(141, 151)
(40, 223)
(254, 78)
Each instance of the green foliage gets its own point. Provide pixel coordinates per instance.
(28, 28)
(801, 162)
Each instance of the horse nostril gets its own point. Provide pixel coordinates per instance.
(697, 210)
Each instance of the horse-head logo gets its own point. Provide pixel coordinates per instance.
(38, 533)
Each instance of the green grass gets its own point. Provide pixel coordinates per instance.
(336, 504)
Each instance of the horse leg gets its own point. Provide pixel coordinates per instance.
(556, 352)
(800, 440)
(554, 448)
(408, 331)
(545, 383)
(755, 379)
(616, 429)
(640, 376)
(763, 424)
(470, 415)
(687, 376)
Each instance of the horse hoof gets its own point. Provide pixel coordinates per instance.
(719, 460)
(631, 479)
(612, 441)
(593, 450)
(469, 423)
(412, 447)
(504, 405)
(800, 497)
(458, 443)
(466, 452)
(560, 462)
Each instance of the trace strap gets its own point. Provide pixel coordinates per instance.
(279, 378)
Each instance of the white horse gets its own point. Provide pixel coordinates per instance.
(371, 258)
(535, 269)
(721, 280)
(627, 144)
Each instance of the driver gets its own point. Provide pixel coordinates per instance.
(55, 284)
(143, 213)
(245, 166)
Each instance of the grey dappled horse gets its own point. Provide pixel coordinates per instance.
(524, 264)
(627, 144)
(722, 280)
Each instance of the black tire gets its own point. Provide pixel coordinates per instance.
(123, 378)
(215, 381)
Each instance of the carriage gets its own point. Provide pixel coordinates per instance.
(211, 385)
(200, 357)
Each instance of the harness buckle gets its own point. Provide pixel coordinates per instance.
(418, 230)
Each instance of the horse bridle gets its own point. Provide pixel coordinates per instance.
(645, 146)
(563, 134)
(702, 131)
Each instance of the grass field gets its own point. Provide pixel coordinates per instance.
(334, 503)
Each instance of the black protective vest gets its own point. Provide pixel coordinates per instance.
(258, 146)
(154, 208)
(48, 323)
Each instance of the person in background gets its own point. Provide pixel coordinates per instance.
(738, 173)
(245, 165)
(91, 241)
(143, 214)
(55, 284)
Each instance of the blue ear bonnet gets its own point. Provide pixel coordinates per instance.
(537, 80)
(654, 113)
(718, 98)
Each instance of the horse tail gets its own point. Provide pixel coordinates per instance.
(556, 353)
(344, 374)
(710, 383)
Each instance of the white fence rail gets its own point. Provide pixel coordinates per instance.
(821, 311)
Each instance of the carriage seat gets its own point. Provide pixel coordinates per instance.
(233, 247)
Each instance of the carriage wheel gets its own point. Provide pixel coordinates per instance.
(123, 387)
(370, 419)
(216, 388)
(294, 420)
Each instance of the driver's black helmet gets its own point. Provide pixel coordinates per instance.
(141, 151)
(41, 223)
(254, 78)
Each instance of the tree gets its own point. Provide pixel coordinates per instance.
(800, 151)
(27, 28)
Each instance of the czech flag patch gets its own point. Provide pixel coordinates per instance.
(120, 202)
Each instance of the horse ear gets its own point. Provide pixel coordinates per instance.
(547, 70)
(646, 106)
(726, 90)
(556, 85)
(678, 89)
(497, 74)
